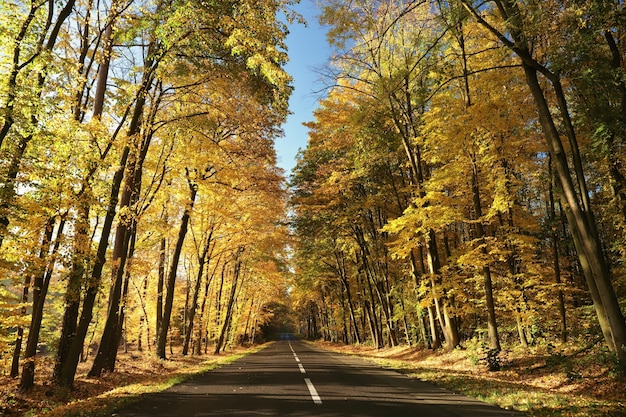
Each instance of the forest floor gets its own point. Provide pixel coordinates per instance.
(136, 374)
(539, 381)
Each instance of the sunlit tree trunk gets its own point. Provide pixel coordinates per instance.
(205, 256)
(492, 326)
(41, 284)
(160, 284)
(28, 374)
(171, 279)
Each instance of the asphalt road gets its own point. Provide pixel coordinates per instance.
(291, 378)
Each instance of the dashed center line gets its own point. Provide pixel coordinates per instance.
(314, 395)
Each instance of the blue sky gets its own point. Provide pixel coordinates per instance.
(308, 50)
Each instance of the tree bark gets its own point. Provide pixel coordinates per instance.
(122, 250)
(171, 279)
(492, 325)
(202, 260)
(17, 350)
(231, 300)
(555, 254)
(40, 290)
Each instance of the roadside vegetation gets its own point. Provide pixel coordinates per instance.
(545, 381)
(137, 374)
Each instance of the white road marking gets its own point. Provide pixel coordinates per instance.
(302, 371)
(314, 395)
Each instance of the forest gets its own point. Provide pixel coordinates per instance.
(141, 206)
(464, 181)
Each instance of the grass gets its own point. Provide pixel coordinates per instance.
(538, 382)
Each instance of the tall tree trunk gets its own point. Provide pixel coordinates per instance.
(586, 240)
(492, 326)
(171, 279)
(374, 319)
(108, 342)
(202, 260)
(435, 342)
(343, 275)
(202, 328)
(446, 320)
(218, 302)
(160, 284)
(68, 366)
(143, 320)
(40, 290)
(231, 299)
(555, 254)
(123, 249)
(75, 278)
(66, 376)
(73, 334)
(17, 349)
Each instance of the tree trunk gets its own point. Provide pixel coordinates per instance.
(346, 284)
(43, 251)
(202, 260)
(231, 300)
(492, 326)
(123, 249)
(68, 371)
(446, 320)
(435, 342)
(40, 290)
(160, 284)
(218, 301)
(104, 359)
(171, 279)
(555, 254)
(202, 329)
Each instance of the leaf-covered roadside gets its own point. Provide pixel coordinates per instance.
(549, 381)
(136, 375)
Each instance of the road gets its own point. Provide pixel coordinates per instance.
(291, 378)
